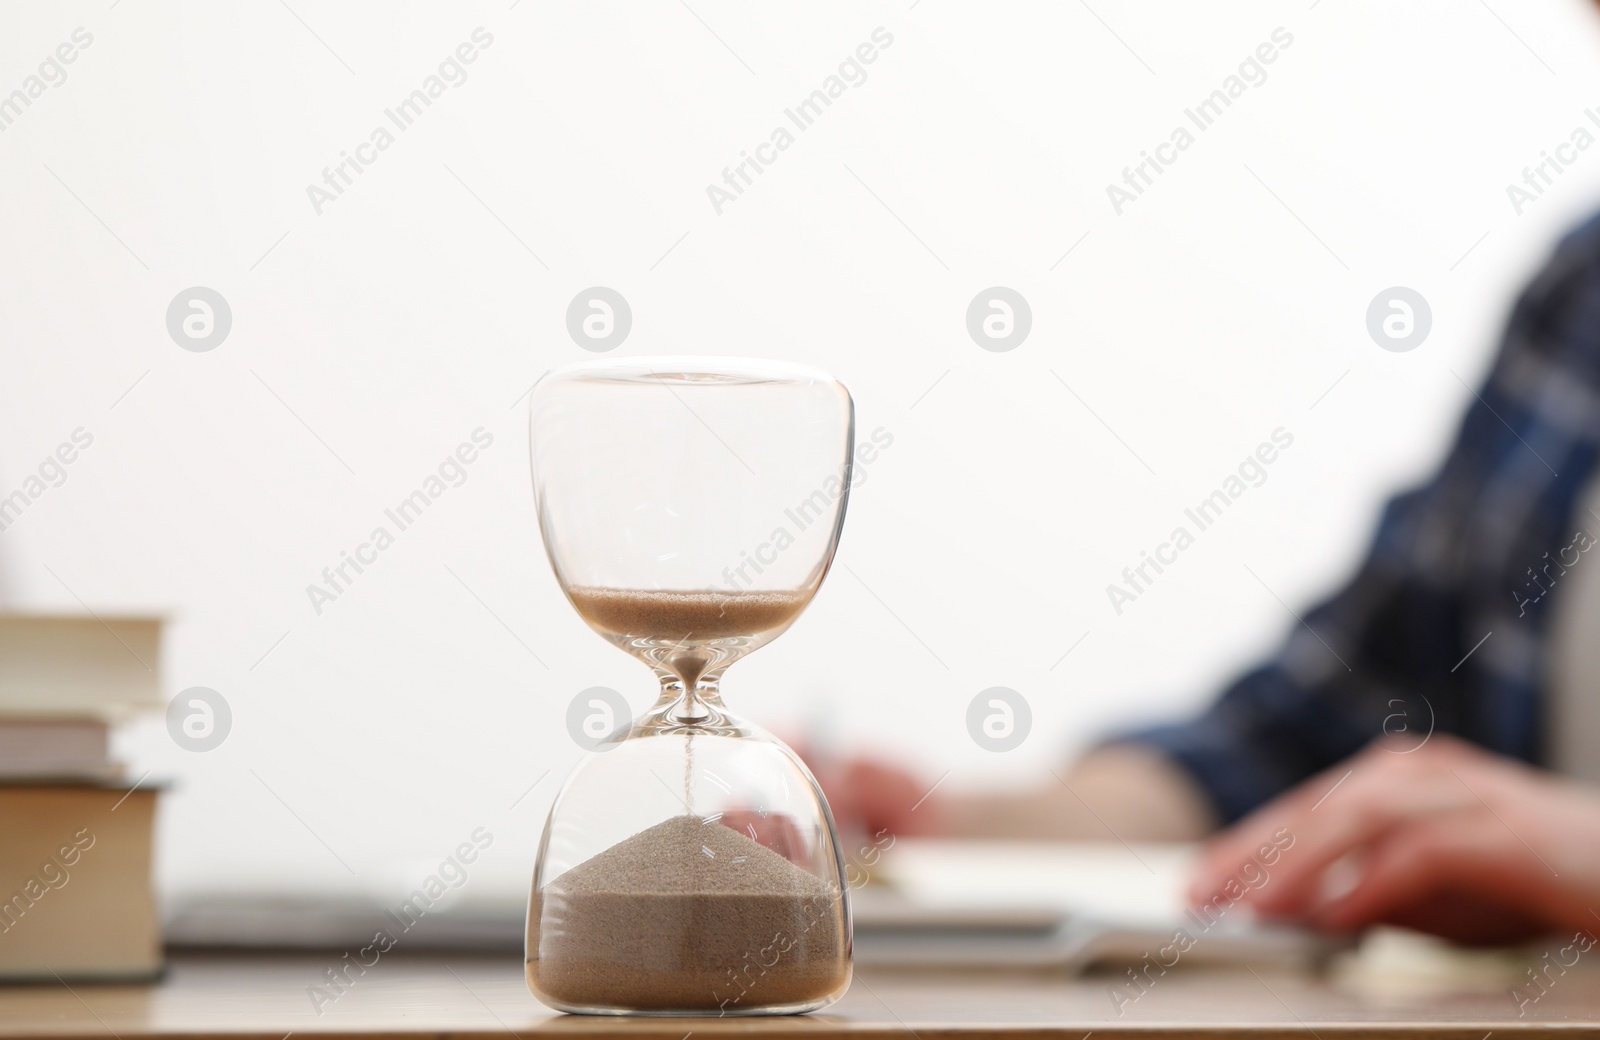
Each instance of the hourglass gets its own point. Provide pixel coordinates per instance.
(690, 508)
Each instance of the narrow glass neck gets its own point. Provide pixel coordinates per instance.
(690, 704)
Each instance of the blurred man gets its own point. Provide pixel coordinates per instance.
(1478, 818)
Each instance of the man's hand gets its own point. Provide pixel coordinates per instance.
(871, 797)
(1123, 792)
(1445, 838)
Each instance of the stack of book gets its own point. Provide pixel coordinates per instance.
(76, 900)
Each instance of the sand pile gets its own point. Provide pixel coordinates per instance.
(687, 916)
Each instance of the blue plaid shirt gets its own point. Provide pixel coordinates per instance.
(1451, 561)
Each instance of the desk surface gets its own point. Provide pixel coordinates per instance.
(266, 997)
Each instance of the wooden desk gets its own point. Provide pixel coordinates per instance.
(265, 997)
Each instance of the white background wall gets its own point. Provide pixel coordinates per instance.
(406, 314)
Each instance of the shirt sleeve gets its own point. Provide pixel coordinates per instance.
(1396, 650)
(1341, 679)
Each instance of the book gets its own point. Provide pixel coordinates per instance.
(76, 899)
(62, 666)
(62, 739)
(61, 748)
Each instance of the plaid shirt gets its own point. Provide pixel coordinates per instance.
(1398, 648)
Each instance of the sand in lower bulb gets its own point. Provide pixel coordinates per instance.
(688, 916)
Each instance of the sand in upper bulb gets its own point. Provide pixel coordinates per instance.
(688, 616)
